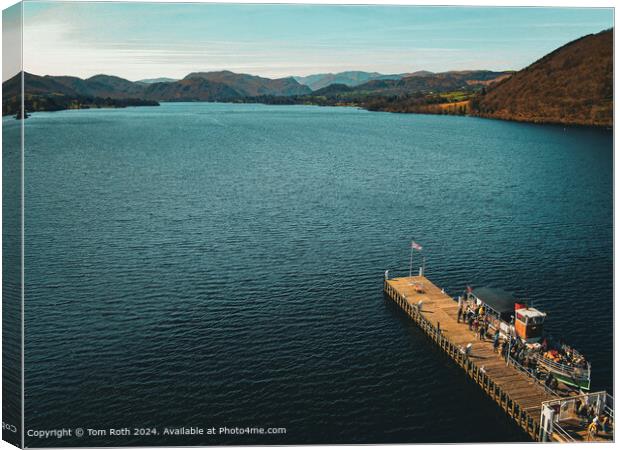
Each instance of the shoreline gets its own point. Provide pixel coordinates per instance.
(565, 124)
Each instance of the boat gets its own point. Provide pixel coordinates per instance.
(576, 374)
(515, 319)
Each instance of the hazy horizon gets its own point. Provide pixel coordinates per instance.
(247, 73)
(152, 40)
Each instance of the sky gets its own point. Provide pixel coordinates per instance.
(11, 41)
(149, 40)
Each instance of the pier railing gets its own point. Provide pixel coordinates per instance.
(609, 406)
(530, 373)
(577, 372)
(568, 422)
(562, 433)
(527, 418)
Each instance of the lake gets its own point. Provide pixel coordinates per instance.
(214, 265)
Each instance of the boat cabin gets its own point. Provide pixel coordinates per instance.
(529, 324)
(498, 304)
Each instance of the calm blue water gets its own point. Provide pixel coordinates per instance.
(221, 265)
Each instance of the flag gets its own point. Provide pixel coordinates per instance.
(416, 246)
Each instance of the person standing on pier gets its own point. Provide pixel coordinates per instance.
(604, 423)
(505, 349)
(468, 350)
(459, 314)
(482, 332)
(496, 340)
(593, 429)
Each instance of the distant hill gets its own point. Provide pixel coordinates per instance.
(420, 73)
(96, 86)
(448, 81)
(425, 82)
(54, 91)
(334, 89)
(157, 80)
(252, 85)
(350, 78)
(420, 92)
(115, 87)
(421, 79)
(36, 85)
(190, 90)
(571, 85)
(230, 86)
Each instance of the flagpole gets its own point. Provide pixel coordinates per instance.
(411, 261)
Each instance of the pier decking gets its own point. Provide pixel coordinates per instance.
(519, 395)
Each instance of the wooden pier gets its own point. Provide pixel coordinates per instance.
(518, 394)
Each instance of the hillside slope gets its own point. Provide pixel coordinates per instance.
(437, 82)
(571, 85)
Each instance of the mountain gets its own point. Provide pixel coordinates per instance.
(334, 89)
(191, 89)
(451, 81)
(419, 92)
(571, 85)
(252, 85)
(221, 86)
(350, 78)
(157, 80)
(115, 87)
(36, 85)
(424, 82)
(420, 73)
(56, 84)
(96, 86)
(55, 91)
(196, 86)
